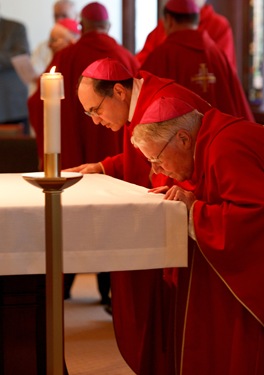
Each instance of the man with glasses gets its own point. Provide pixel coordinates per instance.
(220, 305)
(143, 302)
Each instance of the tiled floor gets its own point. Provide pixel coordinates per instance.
(90, 346)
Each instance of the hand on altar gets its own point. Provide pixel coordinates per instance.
(86, 168)
(160, 189)
(176, 193)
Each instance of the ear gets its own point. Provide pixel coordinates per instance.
(119, 91)
(184, 139)
(168, 23)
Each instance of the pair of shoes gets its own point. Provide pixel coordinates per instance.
(108, 309)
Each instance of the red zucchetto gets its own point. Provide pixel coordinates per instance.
(95, 12)
(107, 69)
(164, 109)
(182, 6)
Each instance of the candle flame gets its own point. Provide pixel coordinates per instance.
(52, 70)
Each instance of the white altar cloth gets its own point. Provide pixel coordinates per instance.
(108, 225)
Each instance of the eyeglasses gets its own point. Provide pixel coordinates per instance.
(94, 111)
(157, 158)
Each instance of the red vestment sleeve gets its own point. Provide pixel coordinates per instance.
(113, 166)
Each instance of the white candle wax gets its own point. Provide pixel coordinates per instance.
(52, 91)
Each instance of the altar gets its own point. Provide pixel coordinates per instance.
(108, 225)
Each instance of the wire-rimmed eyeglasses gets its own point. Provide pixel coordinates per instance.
(94, 111)
(157, 158)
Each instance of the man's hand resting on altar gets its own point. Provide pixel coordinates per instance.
(86, 168)
(176, 193)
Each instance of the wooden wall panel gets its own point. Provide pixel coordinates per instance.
(128, 24)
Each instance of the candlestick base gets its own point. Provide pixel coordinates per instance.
(53, 187)
(40, 180)
(52, 165)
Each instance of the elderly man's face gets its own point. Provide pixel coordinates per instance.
(174, 158)
(64, 10)
(111, 112)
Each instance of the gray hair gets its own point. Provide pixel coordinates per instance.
(160, 132)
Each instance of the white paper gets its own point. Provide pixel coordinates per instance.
(24, 68)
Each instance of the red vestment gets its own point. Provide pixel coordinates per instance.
(214, 23)
(81, 141)
(219, 29)
(143, 302)
(192, 59)
(220, 304)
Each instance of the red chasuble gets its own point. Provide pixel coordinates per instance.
(192, 59)
(143, 302)
(81, 141)
(219, 30)
(214, 23)
(220, 304)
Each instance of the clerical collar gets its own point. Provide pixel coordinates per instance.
(137, 84)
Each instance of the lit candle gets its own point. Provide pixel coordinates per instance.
(52, 91)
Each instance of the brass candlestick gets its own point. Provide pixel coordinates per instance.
(52, 164)
(53, 183)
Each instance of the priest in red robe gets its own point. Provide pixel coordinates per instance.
(81, 141)
(220, 305)
(143, 302)
(217, 26)
(192, 59)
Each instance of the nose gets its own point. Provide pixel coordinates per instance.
(96, 119)
(156, 168)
